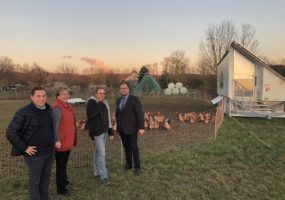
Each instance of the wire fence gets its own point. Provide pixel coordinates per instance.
(152, 142)
(85, 93)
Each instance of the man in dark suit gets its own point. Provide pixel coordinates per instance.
(130, 123)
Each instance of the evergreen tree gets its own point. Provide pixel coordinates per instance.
(143, 71)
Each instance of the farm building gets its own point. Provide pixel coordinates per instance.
(132, 78)
(249, 86)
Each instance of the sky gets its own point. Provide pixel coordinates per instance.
(127, 33)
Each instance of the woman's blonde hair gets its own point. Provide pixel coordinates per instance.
(60, 89)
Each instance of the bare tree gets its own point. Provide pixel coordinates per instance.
(218, 39)
(90, 71)
(176, 65)
(66, 68)
(152, 68)
(7, 71)
(23, 73)
(38, 76)
(113, 80)
(247, 38)
(25, 68)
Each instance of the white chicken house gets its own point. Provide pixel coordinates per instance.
(249, 86)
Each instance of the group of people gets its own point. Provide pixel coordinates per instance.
(41, 132)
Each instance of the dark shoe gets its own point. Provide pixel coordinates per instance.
(127, 167)
(105, 181)
(97, 176)
(68, 183)
(65, 194)
(137, 172)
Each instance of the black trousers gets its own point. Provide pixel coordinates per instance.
(61, 158)
(130, 143)
(39, 169)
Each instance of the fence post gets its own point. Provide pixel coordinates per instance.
(219, 117)
(122, 153)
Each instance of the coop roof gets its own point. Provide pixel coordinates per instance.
(251, 57)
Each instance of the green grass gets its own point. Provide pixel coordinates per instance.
(235, 166)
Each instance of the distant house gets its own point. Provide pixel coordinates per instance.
(249, 86)
(132, 78)
(14, 87)
(8, 87)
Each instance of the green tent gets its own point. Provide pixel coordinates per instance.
(148, 85)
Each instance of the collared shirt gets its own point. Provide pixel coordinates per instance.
(123, 102)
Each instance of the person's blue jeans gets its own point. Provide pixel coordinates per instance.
(99, 156)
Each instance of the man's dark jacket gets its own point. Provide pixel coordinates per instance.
(97, 118)
(131, 118)
(22, 128)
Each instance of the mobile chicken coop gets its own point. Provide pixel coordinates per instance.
(249, 86)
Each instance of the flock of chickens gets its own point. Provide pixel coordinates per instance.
(151, 121)
(193, 117)
(157, 121)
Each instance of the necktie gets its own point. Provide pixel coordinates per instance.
(123, 103)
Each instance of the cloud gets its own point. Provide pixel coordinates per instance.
(66, 57)
(97, 65)
(92, 61)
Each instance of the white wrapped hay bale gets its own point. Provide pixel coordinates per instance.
(183, 90)
(167, 91)
(175, 91)
(178, 85)
(171, 85)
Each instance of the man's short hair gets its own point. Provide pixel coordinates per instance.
(37, 88)
(99, 88)
(125, 83)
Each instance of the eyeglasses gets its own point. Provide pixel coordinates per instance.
(124, 88)
(101, 93)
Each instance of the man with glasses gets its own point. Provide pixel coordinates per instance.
(130, 123)
(99, 125)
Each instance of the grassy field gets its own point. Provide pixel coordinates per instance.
(235, 166)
